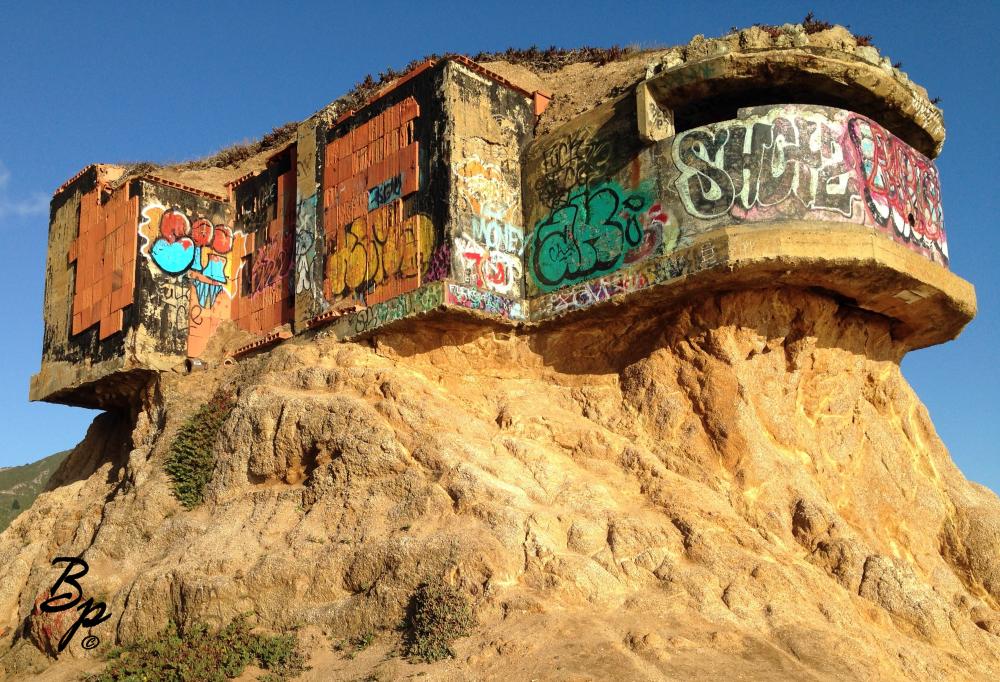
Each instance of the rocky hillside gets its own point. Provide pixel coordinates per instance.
(745, 486)
(19, 486)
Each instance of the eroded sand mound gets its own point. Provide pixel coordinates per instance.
(744, 487)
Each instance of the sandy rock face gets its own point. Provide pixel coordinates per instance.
(746, 486)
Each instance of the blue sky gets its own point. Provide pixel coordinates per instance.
(109, 81)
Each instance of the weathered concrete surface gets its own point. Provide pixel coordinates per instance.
(925, 303)
(839, 77)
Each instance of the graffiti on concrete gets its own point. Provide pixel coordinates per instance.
(595, 232)
(204, 253)
(576, 160)
(487, 268)
(440, 261)
(488, 253)
(406, 305)
(901, 186)
(660, 233)
(174, 306)
(305, 245)
(628, 280)
(204, 259)
(752, 168)
(484, 301)
(796, 162)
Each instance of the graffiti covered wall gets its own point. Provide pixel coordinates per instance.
(193, 259)
(796, 162)
(793, 162)
(375, 247)
(488, 251)
(265, 212)
(490, 126)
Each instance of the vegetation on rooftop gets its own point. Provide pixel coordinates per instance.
(810, 24)
(543, 60)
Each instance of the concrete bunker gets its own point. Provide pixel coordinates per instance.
(731, 168)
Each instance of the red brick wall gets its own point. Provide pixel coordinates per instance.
(271, 301)
(372, 252)
(104, 253)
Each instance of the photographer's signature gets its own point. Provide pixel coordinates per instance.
(91, 613)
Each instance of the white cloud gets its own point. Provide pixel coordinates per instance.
(35, 203)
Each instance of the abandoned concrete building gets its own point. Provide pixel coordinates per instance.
(796, 166)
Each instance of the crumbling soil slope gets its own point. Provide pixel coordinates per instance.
(746, 487)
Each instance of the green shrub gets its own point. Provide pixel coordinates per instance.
(190, 460)
(438, 615)
(203, 656)
(352, 646)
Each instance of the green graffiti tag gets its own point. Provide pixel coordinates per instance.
(587, 236)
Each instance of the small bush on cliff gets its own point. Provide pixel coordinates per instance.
(190, 460)
(203, 656)
(438, 615)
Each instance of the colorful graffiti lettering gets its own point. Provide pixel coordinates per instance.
(489, 257)
(383, 193)
(588, 236)
(751, 168)
(305, 245)
(628, 280)
(901, 186)
(485, 301)
(375, 316)
(379, 256)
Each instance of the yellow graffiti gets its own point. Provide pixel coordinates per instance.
(376, 249)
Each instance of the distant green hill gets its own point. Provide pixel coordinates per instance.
(19, 486)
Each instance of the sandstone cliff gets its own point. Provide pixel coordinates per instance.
(743, 486)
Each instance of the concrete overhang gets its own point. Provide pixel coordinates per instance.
(926, 303)
(802, 75)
